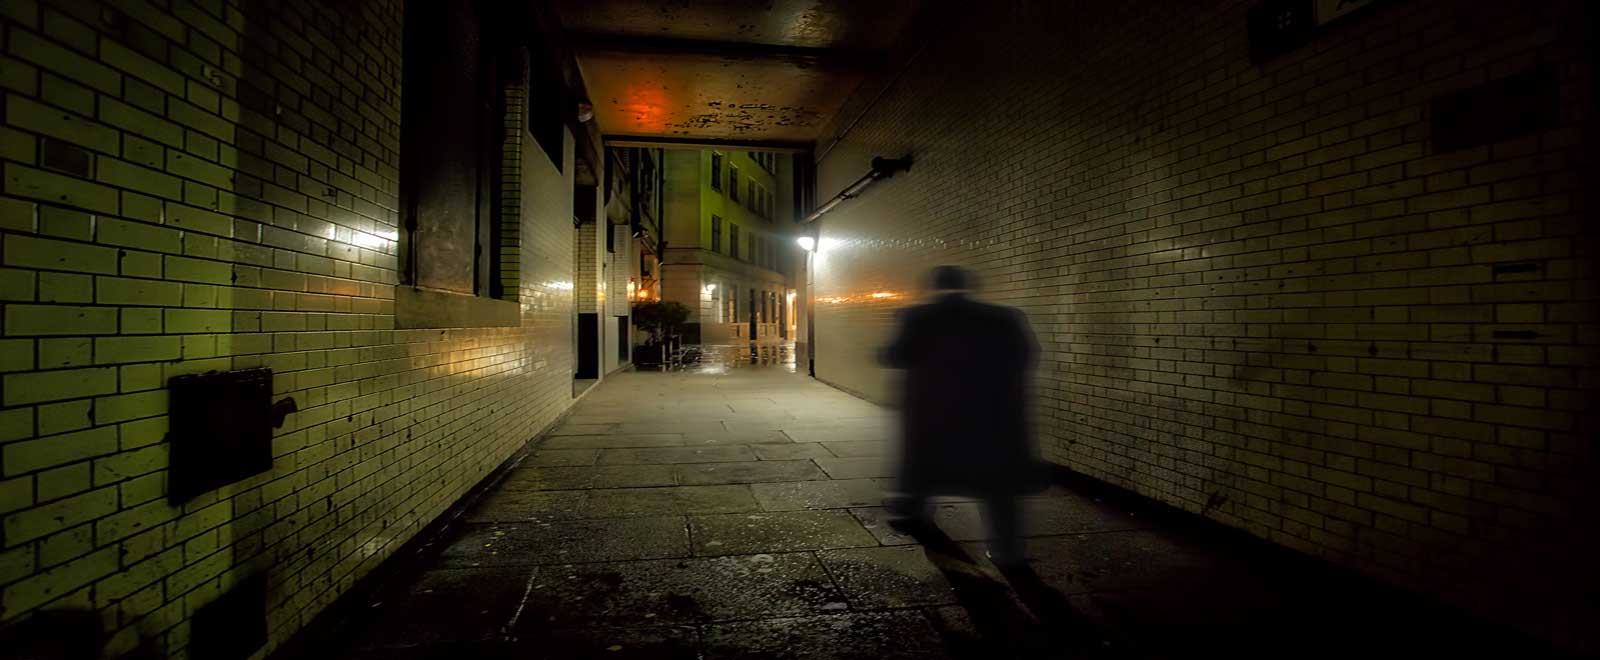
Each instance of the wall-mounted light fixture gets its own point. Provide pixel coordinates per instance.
(882, 168)
(807, 243)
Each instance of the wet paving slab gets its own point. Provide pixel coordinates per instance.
(614, 441)
(856, 468)
(788, 531)
(748, 472)
(736, 511)
(681, 500)
(582, 429)
(755, 438)
(877, 577)
(550, 457)
(529, 506)
(449, 606)
(585, 476)
(659, 455)
(860, 448)
(1042, 516)
(898, 635)
(835, 494)
(791, 451)
(515, 544)
(687, 591)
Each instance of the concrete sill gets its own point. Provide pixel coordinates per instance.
(427, 308)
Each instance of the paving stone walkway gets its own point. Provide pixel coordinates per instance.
(734, 512)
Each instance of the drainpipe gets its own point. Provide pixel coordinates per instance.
(882, 168)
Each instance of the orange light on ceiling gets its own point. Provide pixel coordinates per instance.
(646, 105)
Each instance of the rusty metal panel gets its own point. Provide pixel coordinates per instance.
(444, 160)
(728, 70)
(713, 97)
(803, 23)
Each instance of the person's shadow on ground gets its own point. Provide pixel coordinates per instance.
(1025, 619)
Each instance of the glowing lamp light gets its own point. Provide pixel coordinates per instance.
(807, 243)
(710, 288)
(367, 241)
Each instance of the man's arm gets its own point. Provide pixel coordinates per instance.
(897, 355)
(1028, 343)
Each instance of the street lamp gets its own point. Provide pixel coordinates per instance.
(807, 243)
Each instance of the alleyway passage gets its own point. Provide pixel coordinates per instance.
(734, 512)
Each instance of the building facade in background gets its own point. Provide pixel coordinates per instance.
(730, 251)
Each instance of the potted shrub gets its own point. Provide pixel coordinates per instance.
(662, 322)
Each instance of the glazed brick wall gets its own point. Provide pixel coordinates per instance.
(1262, 295)
(588, 282)
(191, 187)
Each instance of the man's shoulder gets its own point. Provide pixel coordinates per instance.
(919, 309)
(997, 311)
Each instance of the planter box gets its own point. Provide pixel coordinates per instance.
(647, 356)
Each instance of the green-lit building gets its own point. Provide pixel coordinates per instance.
(730, 248)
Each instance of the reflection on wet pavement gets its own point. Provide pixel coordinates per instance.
(721, 358)
(729, 507)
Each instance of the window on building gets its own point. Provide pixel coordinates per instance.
(717, 291)
(716, 233)
(456, 117)
(764, 159)
(716, 171)
(733, 240)
(733, 183)
(750, 194)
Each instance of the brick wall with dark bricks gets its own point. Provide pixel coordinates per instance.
(1266, 292)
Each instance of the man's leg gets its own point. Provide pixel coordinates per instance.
(909, 506)
(911, 503)
(1005, 527)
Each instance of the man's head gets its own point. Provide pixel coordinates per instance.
(952, 278)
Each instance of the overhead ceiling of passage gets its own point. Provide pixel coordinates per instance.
(736, 70)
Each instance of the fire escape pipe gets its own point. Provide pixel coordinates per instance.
(882, 168)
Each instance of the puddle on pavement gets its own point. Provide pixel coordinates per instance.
(723, 358)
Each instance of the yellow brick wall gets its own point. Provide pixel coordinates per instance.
(1262, 295)
(191, 187)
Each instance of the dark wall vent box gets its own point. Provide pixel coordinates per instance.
(220, 428)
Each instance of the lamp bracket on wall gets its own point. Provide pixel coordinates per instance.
(882, 168)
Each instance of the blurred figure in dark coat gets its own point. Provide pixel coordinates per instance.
(968, 366)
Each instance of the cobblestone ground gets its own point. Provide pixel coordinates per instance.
(732, 509)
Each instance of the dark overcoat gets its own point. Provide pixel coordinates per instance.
(968, 367)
